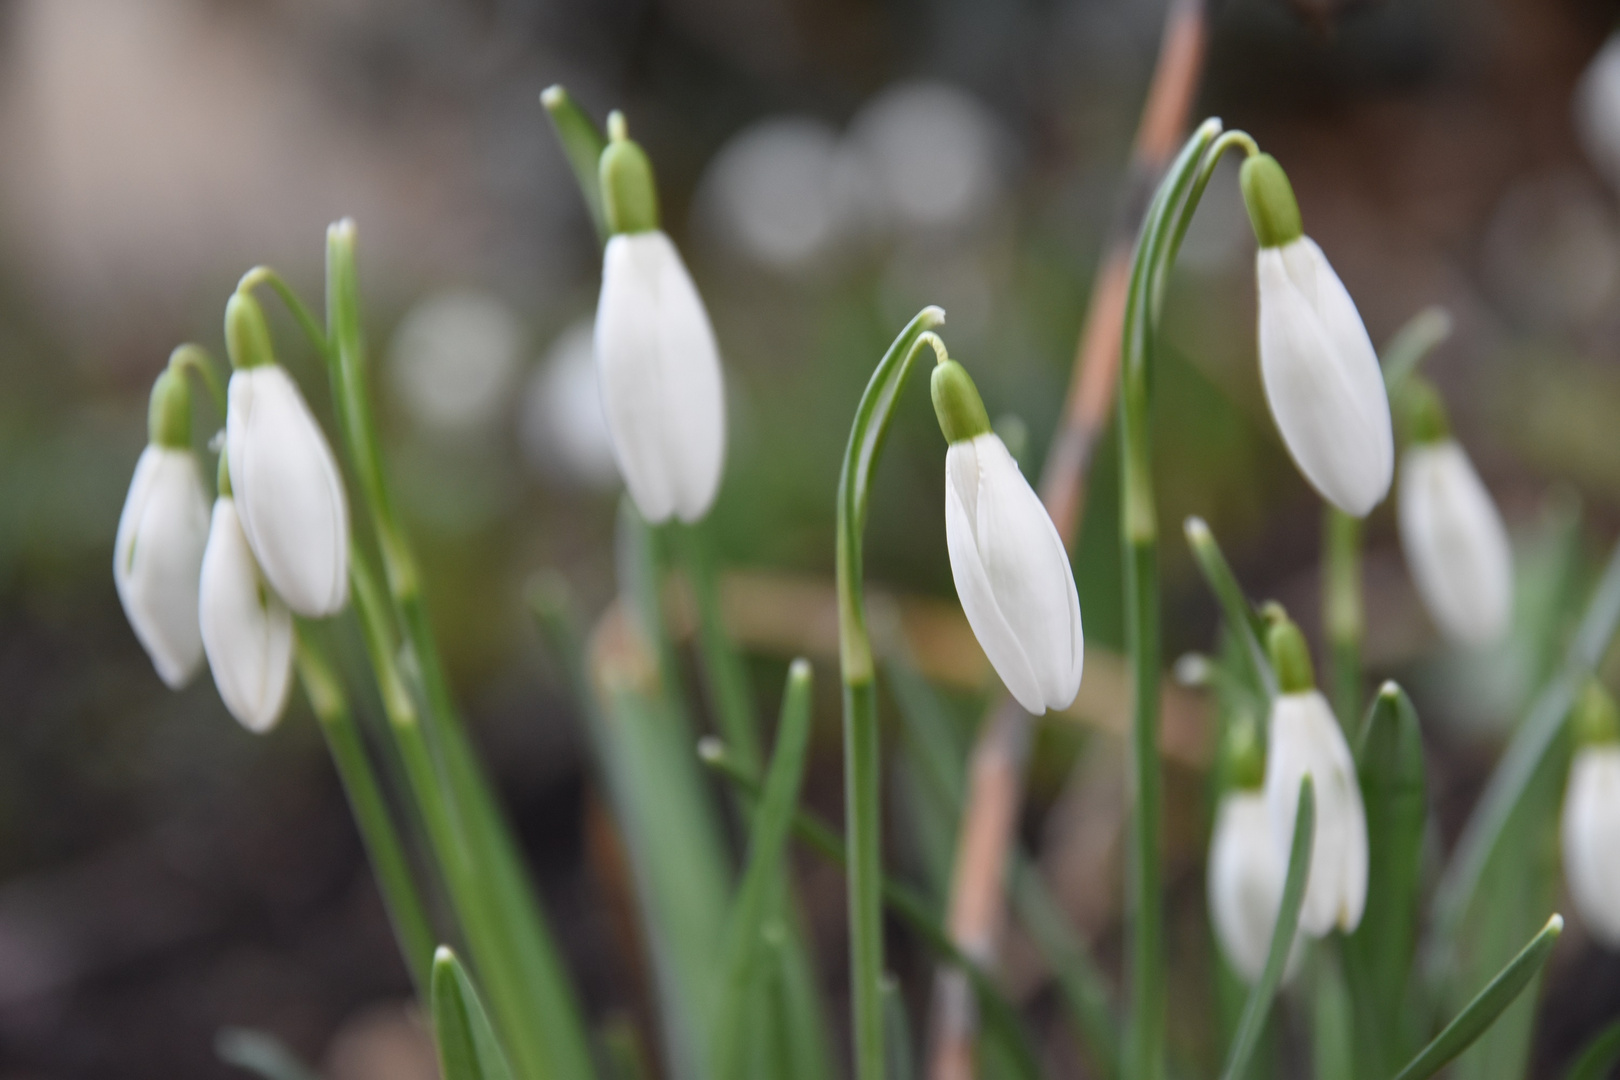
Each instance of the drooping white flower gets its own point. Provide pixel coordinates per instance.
(1319, 368)
(288, 490)
(1455, 543)
(1245, 884)
(1011, 570)
(246, 629)
(157, 556)
(655, 351)
(1591, 818)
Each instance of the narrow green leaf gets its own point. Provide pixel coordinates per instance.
(1487, 1005)
(582, 143)
(773, 818)
(1257, 1008)
(260, 1053)
(1412, 342)
(623, 1055)
(1332, 1055)
(1241, 618)
(1598, 1057)
(467, 1046)
(900, 1063)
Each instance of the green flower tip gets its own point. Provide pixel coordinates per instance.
(629, 194)
(222, 477)
(1269, 197)
(168, 415)
(1245, 755)
(1423, 413)
(247, 335)
(554, 97)
(1289, 656)
(1597, 720)
(957, 403)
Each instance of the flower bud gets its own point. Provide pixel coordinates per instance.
(659, 369)
(158, 550)
(1453, 536)
(629, 193)
(1011, 570)
(1305, 739)
(246, 629)
(1245, 884)
(289, 493)
(1591, 819)
(1318, 365)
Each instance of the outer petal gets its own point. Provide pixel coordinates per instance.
(246, 629)
(157, 556)
(661, 384)
(1455, 542)
(1322, 378)
(1029, 573)
(1591, 840)
(973, 585)
(1305, 738)
(288, 491)
(1245, 884)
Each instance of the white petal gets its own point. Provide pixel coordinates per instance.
(157, 556)
(288, 491)
(1029, 572)
(1322, 378)
(1591, 840)
(1455, 543)
(661, 384)
(1305, 738)
(1245, 884)
(246, 629)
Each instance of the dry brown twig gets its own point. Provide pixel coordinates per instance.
(996, 769)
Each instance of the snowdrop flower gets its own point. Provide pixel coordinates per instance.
(289, 494)
(246, 629)
(158, 551)
(1453, 536)
(1011, 570)
(1318, 365)
(1597, 110)
(655, 351)
(1591, 820)
(1304, 738)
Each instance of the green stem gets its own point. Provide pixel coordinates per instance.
(1343, 621)
(723, 669)
(330, 704)
(195, 359)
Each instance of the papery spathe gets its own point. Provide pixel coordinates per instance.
(288, 491)
(1455, 543)
(1304, 738)
(1012, 575)
(1245, 885)
(246, 629)
(1322, 377)
(1591, 839)
(660, 376)
(157, 556)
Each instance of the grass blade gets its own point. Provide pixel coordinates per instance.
(260, 1053)
(1598, 1057)
(1487, 1005)
(1241, 618)
(582, 143)
(467, 1046)
(1256, 1009)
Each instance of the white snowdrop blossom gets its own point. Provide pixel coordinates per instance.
(1304, 738)
(1591, 818)
(246, 629)
(1455, 543)
(158, 555)
(1319, 368)
(1011, 570)
(289, 493)
(1245, 884)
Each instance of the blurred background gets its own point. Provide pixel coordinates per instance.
(828, 168)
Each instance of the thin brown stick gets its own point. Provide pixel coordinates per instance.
(995, 778)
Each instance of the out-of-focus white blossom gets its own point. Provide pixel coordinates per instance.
(1245, 885)
(1455, 543)
(562, 428)
(454, 359)
(935, 152)
(157, 556)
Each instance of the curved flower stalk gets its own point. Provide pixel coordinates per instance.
(1318, 365)
(1011, 570)
(1591, 819)
(1304, 739)
(1452, 534)
(289, 493)
(657, 361)
(162, 530)
(246, 629)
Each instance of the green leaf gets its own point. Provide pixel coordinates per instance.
(1378, 955)
(1487, 1005)
(1256, 1009)
(1241, 618)
(1412, 342)
(260, 1053)
(900, 1064)
(467, 1046)
(1331, 1051)
(582, 143)
(1598, 1056)
(762, 877)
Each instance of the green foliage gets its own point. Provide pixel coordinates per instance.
(468, 1049)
